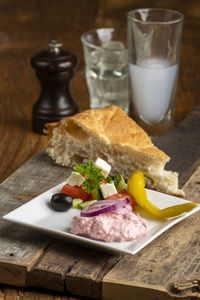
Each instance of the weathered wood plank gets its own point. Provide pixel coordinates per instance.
(58, 259)
(182, 144)
(65, 266)
(21, 247)
(169, 262)
(59, 265)
(12, 293)
(85, 278)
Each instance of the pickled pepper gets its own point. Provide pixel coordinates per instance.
(136, 188)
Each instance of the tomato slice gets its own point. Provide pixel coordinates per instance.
(76, 192)
(122, 194)
(103, 181)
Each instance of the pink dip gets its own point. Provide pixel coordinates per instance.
(110, 227)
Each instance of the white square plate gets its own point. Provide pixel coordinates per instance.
(39, 215)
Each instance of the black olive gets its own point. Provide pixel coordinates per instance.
(61, 202)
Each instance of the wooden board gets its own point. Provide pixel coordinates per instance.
(165, 269)
(182, 144)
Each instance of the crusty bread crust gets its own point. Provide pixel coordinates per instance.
(110, 134)
(112, 125)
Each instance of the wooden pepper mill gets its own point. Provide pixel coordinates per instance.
(54, 68)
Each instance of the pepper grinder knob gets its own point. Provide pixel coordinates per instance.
(55, 46)
(54, 68)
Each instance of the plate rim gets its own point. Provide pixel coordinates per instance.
(95, 243)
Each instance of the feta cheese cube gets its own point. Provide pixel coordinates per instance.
(75, 179)
(104, 166)
(108, 189)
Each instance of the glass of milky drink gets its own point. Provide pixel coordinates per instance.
(106, 65)
(154, 39)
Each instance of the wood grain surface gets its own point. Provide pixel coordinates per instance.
(26, 27)
(31, 259)
(167, 268)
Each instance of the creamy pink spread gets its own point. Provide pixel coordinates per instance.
(110, 227)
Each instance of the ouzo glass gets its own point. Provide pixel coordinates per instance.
(154, 39)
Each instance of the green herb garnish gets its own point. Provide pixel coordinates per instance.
(117, 179)
(93, 176)
(80, 169)
(109, 179)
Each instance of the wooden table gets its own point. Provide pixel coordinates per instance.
(26, 28)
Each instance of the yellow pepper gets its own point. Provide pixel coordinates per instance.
(136, 188)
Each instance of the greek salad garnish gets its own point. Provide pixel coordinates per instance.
(91, 189)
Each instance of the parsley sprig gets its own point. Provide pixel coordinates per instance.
(117, 179)
(93, 176)
(109, 179)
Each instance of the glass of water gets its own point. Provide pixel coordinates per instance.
(154, 39)
(106, 60)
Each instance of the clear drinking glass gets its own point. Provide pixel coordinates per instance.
(154, 39)
(106, 60)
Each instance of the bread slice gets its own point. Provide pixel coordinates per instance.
(110, 134)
